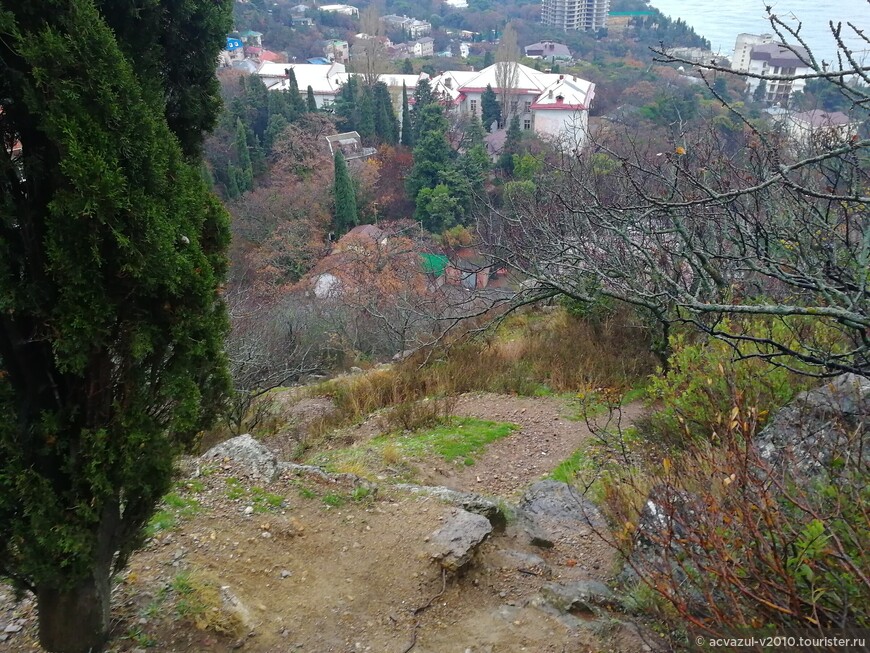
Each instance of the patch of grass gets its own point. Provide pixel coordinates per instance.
(567, 470)
(198, 599)
(140, 638)
(176, 508)
(458, 440)
(307, 493)
(334, 500)
(360, 493)
(264, 501)
(534, 353)
(235, 489)
(193, 485)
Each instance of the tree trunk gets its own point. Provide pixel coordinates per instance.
(75, 620)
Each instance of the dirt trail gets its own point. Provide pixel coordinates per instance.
(548, 434)
(346, 577)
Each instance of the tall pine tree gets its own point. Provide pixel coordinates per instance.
(489, 109)
(345, 216)
(407, 127)
(310, 101)
(386, 126)
(113, 252)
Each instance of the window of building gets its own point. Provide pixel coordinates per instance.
(474, 107)
(528, 106)
(527, 123)
(514, 105)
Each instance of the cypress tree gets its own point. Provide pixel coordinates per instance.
(407, 67)
(245, 180)
(310, 101)
(407, 127)
(511, 145)
(112, 252)
(366, 112)
(489, 108)
(294, 96)
(386, 126)
(345, 216)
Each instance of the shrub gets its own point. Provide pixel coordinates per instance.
(706, 376)
(732, 543)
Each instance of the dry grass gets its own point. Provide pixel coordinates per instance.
(534, 353)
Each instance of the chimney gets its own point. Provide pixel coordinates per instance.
(561, 77)
(448, 82)
(550, 94)
(559, 99)
(575, 78)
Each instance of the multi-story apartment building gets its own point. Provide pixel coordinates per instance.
(784, 66)
(587, 15)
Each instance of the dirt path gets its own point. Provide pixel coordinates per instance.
(317, 571)
(548, 434)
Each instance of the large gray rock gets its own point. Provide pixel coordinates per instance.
(551, 511)
(454, 543)
(248, 454)
(469, 501)
(820, 425)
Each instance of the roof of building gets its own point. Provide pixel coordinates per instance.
(819, 118)
(425, 39)
(233, 44)
(568, 94)
(434, 263)
(320, 61)
(548, 49)
(268, 55)
(322, 79)
(246, 65)
(776, 54)
(576, 93)
(340, 8)
(251, 32)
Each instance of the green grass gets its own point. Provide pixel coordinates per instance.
(334, 500)
(461, 437)
(235, 489)
(460, 440)
(567, 470)
(266, 501)
(176, 508)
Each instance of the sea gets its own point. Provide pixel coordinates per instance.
(721, 22)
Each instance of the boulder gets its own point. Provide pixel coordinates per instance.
(248, 454)
(550, 511)
(820, 425)
(454, 543)
(468, 501)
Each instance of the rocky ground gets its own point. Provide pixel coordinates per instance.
(264, 557)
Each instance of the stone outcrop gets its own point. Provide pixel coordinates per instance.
(454, 544)
(820, 425)
(550, 511)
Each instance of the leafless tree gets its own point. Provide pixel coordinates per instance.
(507, 72)
(370, 53)
(266, 350)
(708, 225)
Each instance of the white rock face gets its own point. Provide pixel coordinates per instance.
(249, 454)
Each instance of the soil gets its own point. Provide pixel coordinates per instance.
(357, 575)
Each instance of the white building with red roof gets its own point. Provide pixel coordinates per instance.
(549, 104)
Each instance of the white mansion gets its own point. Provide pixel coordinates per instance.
(549, 104)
